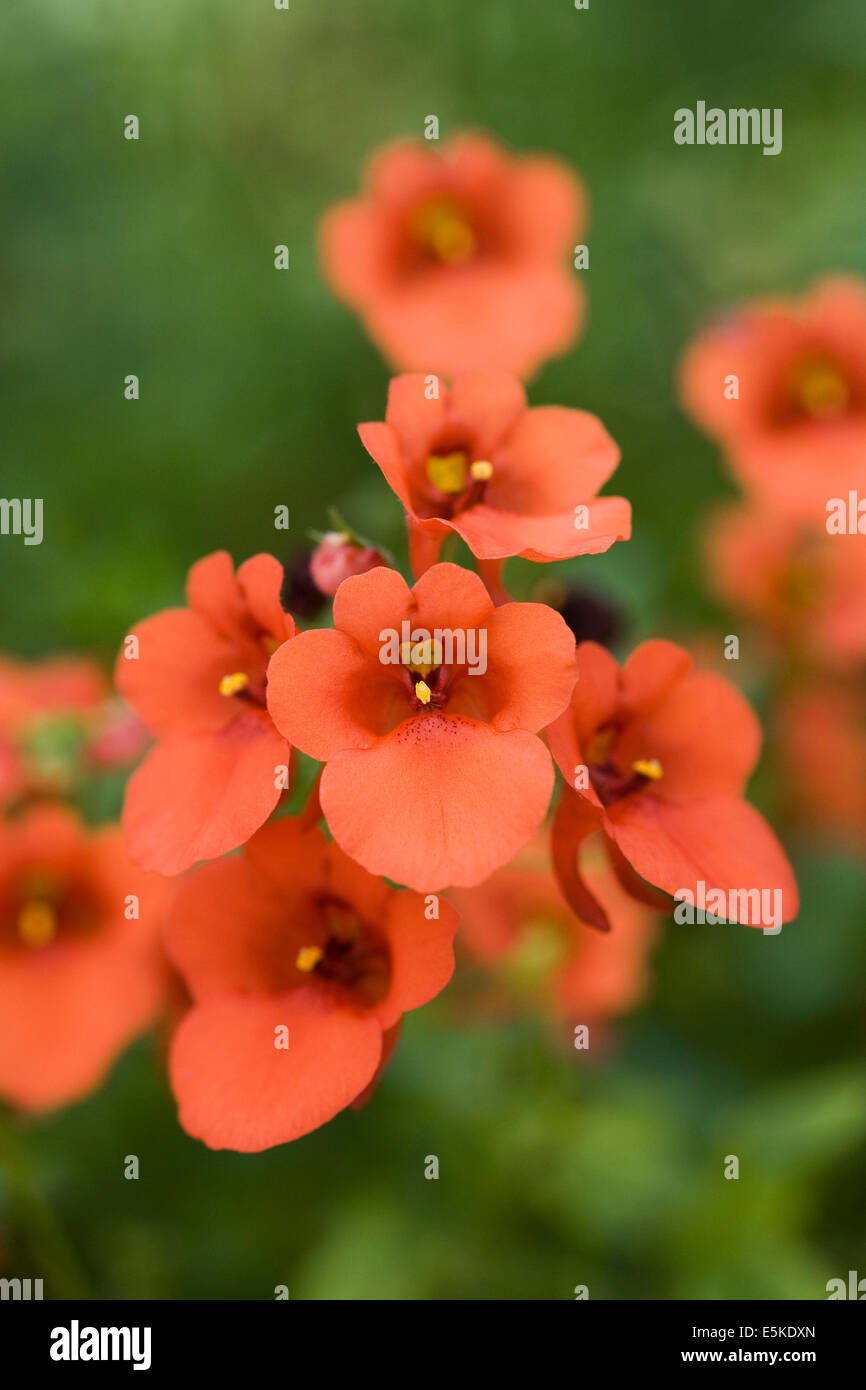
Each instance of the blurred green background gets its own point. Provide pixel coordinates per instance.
(156, 258)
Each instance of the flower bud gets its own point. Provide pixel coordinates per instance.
(336, 557)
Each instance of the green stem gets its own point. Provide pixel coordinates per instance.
(449, 549)
(54, 1258)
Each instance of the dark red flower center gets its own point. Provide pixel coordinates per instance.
(425, 676)
(351, 957)
(610, 780)
(454, 478)
(817, 388)
(250, 686)
(442, 230)
(41, 906)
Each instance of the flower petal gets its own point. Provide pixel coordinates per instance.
(704, 733)
(355, 252)
(199, 796)
(64, 1018)
(212, 591)
(719, 840)
(593, 703)
(260, 580)
(553, 459)
(573, 821)
(492, 533)
(422, 953)
(487, 405)
(173, 682)
(546, 206)
(448, 596)
(415, 417)
(527, 692)
(384, 446)
(325, 694)
(237, 1090)
(230, 931)
(649, 673)
(366, 603)
(442, 800)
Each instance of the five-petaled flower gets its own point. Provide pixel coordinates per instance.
(300, 965)
(81, 971)
(657, 756)
(198, 679)
(781, 384)
(458, 260)
(435, 774)
(806, 588)
(509, 480)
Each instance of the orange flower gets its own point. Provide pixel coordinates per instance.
(508, 480)
(425, 705)
(80, 968)
(300, 966)
(457, 260)
(33, 694)
(796, 432)
(520, 921)
(807, 587)
(198, 680)
(822, 751)
(658, 756)
(55, 684)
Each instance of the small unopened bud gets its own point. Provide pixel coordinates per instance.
(336, 558)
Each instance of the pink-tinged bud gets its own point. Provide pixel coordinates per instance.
(336, 558)
(119, 739)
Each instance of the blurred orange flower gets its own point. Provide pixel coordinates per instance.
(32, 694)
(53, 683)
(81, 972)
(821, 743)
(807, 588)
(781, 384)
(520, 922)
(457, 259)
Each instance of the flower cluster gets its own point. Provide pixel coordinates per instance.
(302, 927)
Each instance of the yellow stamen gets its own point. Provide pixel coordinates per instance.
(481, 470)
(441, 227)
(37, 923)
(230, 685)
(423, 692)
(447, 471)
(308, 958)
(421, 657)
(648, 767)
(822, 390)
